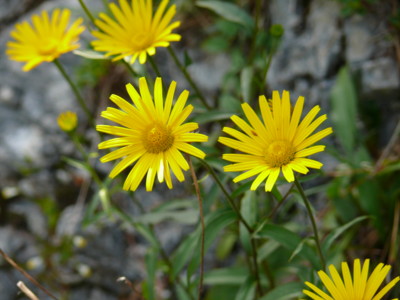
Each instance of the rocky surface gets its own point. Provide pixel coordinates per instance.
(316, 43)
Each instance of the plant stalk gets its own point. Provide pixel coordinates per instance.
(203, 226)
(188, 77)
(243, 221)
(312, 219)
(75, 91)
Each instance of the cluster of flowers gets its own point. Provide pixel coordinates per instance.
(153, 132)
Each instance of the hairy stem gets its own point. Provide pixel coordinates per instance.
(75, 91)
(312, 219)
(203, 226)
(188, 77)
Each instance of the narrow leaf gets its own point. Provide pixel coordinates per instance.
(229, 11)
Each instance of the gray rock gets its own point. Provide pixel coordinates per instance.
(31, 212)
(8, 288)
(69, 221)
(380, 75)
(310, 50)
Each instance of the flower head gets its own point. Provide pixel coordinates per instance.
(46, 40)
(135, 31)
(152, 136)
(360, 287)
(67, 121)
(280, 142)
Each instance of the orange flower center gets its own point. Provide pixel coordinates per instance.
(279, 153)
(49, 48)
(140, 41)
(157, 138)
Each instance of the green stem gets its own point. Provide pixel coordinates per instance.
(255, 263)
(242, 220)
(129, 68)
(203, 226)
(80, 148)
(154, 65)
(75, 91)
(87, 11)
(255, 32)
(164, 255)
(188, 77)
(227, 195)
(312, 219)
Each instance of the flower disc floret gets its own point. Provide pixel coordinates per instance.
(45, 40)
(157, 138)
(278, 142)
(279, 153)
(152, 135)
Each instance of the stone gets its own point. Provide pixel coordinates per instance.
(8, 288)
(33, 216)
(380, 75)
(310, 48)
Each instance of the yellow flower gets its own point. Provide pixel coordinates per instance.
(135, 31)
(360, 287)
(280, 142)
(67, 121)
(153, 135)
(46, 40)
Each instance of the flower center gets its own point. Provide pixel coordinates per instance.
(48, 48)
(157, 138)
(140, 41)
(279, 153)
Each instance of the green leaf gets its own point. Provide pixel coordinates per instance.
(226, 276)
(187, 59)
(77, 164)
(266, 249)
(105, 200)
(285, 291)
(339, 231)
(246, 83)
(182, 211)
(247, 289)
(229, 11)
(90, 54)
(241, 190)
(298, 248)
(212, 117)
(215, 222)
(289, 240)
(344, 110)
(151, 266)
(215, 44)
(248, 209)
(225, 245)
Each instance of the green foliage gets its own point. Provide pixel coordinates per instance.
(257, 245)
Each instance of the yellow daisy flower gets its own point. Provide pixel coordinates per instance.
(360, 287)
(46, 40)
(280, 142)
(135, 31)
(153, 135)
(67, 121)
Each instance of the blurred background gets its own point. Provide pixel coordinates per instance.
(343, 55)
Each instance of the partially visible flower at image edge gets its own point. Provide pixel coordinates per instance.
(135, 31)
(152, 136)
(280, 142)
(45, 40)
(67, 121)
(359, 287)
